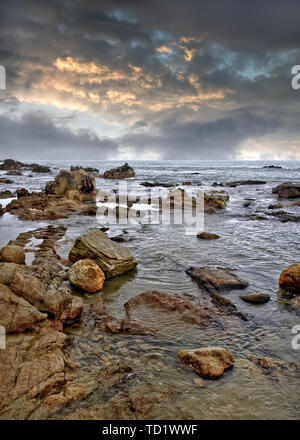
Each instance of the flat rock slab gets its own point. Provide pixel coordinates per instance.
(216, 279)
(113, 258)
(210, 362)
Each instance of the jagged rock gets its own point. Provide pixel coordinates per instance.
(75, 185)
(122, 172)
(6, 194)
(22, 192)
(10, 164)
(41, 288)
(216, 279)
(87, 169)
(86, 275)
(12, 254)
(256, 298)
(210, 362)
(17, 314)
(32, 367)
(289, 279)
(287, 190)
(113, 258)
(208, 236)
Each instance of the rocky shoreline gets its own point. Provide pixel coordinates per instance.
(42, 303)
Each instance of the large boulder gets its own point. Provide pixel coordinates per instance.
(210, 362)
(289, 279)
(17, 314)
(122, 172)
(113, 258)
(75, 185)
(216, 279)
(287, 190)
(86, 275)
(12, 254)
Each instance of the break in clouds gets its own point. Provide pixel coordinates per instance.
(149, 80)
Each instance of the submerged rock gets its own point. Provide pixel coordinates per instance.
(122, 172)
(208, 236)
(210, 362)
(289, 279)
(86, 275)
(216, 279)
(12, 254)
(256, 298)
(113, 258)
(287, 190)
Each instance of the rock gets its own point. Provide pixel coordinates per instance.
(32, 367)
(111, 325)
(289, 279)
(295, 302)
(122, 172)
(12, 254)
(22, 192)
(227, 306)
(41, 288)
(4, 180)
(154, 184)
(276, 206)
(36, 168)
(1, 210)
(87, 169)
(17, 314)
(256, 298)
(284, 217)
(272, 166)
(245, 182)
(113, 258)
(86, 275)
(210, 362)
(215, 201)
(271, 367)
(287, 190)
(207, 236)
(75, 185)
(216, 279)
(6, 194)
(14, 173)
(186, 183)
(10, 164)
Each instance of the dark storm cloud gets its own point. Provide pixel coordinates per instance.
(35, 136)
(202, 65)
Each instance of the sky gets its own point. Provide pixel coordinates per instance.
(149, 79)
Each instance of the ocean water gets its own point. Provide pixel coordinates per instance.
(257, 250)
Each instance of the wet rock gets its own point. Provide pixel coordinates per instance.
(86, 275)
(36, 168)
(284, 217)
(1, 210)
(208, 236)
(151, 307)
(186, 183)
(289, 279)
(270, 366)
(215, 201)
(10, 164)
(22, 192)
(114, 373)
(122, 172)
(87, 169)
(14, 173)
(287, 190)
(6, 194)
(154, 184)
(123, 326)
(113, 258)
(31, 368)
(216, 279)
(273, 166)
(295, 302)
(227, 306)
(7, 181)
(74, 185)
(210, 362)
(17, 314)
(276, 206)
(41, 288)
(256, 298)
(12, 254)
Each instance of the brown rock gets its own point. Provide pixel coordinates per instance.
(12, 254)
(17, 314)
(208, 236)
(86, 275)
(256, 298)
(289, 279)
(215, 279)
(210, 362)
(122, 172)
(75, 185)
(6, 194)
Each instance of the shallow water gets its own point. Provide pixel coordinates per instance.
(256, 250)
